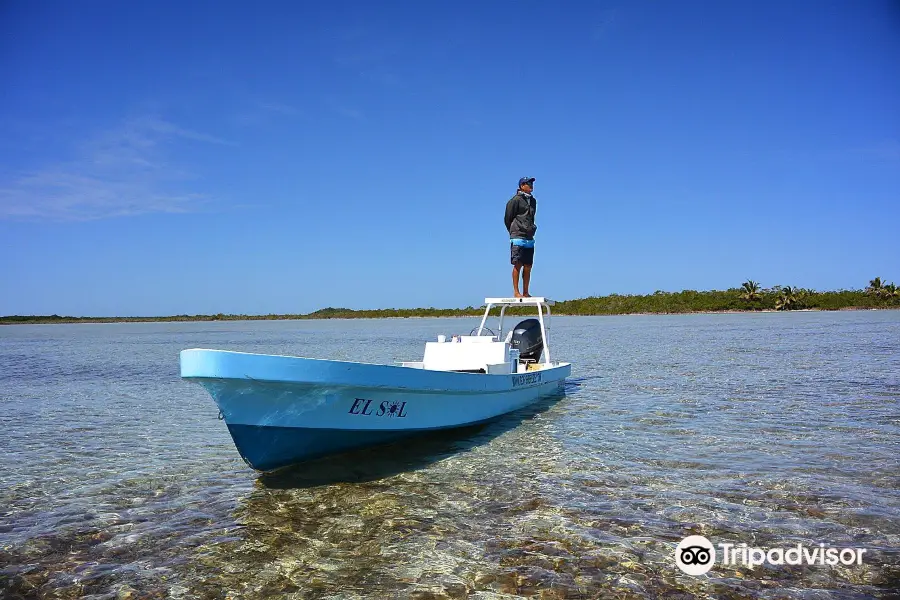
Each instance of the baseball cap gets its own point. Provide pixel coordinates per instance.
(524, 180)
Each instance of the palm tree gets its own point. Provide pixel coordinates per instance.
(891, 291)
(751, 290)
(876, 287)
(790, 298)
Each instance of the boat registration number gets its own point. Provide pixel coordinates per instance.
(526, 379)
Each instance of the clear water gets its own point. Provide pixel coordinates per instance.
(118, 481)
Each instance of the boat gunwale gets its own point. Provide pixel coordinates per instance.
(465, 383)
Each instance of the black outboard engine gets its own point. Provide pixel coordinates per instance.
(526, 338)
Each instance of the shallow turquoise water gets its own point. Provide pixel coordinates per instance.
(768, 429)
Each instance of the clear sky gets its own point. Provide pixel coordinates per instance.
(271, 157)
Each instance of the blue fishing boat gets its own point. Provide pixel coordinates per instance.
(282, 410)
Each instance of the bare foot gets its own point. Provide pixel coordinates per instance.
(516, 294)
(526, 295)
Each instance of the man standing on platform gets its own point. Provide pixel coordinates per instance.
(519, 219)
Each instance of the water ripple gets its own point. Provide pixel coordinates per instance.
(770, 430)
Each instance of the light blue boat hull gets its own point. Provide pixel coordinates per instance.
(282, 410)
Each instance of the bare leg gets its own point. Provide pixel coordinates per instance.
(526, 279)
(515, 276)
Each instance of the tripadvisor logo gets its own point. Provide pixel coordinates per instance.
(696, 555)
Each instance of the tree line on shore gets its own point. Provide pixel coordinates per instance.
(749, 297)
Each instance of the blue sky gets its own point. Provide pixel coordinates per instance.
(204, 157)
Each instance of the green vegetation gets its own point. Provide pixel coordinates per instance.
(878, 289)
(748, 298)
(732, 300)
(750, 290)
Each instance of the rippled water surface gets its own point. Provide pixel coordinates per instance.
(118, 481)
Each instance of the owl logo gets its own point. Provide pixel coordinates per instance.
(695, 555)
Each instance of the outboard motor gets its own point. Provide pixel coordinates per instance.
(526, 338)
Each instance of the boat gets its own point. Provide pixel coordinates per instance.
(282, 410)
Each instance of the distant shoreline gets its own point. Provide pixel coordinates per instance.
(238, 318)
(660, 303)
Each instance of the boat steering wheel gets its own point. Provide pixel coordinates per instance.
(483, 329)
